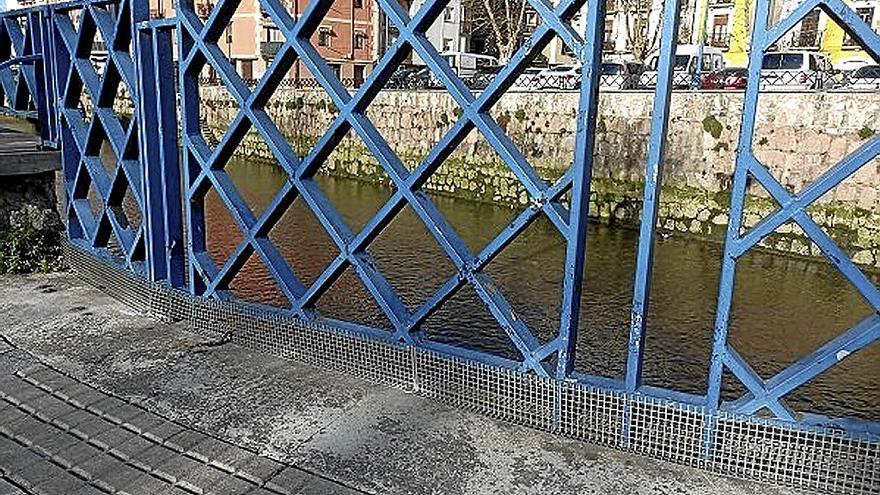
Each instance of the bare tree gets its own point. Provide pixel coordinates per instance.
(642, 37)
(504, 21)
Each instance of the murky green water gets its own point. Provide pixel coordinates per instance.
(784, 307)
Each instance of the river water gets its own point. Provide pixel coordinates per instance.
(784, 306)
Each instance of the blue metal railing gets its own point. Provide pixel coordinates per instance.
(52, 47)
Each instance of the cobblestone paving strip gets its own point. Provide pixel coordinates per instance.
(61, 436)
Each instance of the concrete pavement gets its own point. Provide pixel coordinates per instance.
(97, 399)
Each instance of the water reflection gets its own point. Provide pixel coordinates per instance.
(784, 307)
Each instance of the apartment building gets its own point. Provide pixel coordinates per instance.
(344, 39)
(728, 27)
(446, 34)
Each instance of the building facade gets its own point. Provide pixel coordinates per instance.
(446, 33)
(728, 27)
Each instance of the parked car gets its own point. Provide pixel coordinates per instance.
(796, 70)
(729, 78)
(685, 66)
(403, 78)
(852, 65)
(618, 75)
(469, 64)
(561, 77)
(865, 79)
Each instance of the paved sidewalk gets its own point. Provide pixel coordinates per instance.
(97, 399)
(61, 436)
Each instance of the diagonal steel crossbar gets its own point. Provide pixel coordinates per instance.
(102, 91)
(353, 247)
(769, 394)
(109, 153)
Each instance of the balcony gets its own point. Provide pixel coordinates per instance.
(203, 9)
(268, 49)
(720, 41)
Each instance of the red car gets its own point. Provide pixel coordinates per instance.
(731, 78)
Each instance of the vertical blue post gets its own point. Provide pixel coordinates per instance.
(737, 200)
(41, 101)
(582, 170)
(47, 40)
(70, 155)
(157, 110)
(189, 120)
(651, 201)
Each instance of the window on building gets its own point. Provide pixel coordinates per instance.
(246, 69)
(608, 40)
(867, 15)
(358, 4)
(272, 33)
(360, 40)
(324, 36)
(448, 14)
(337, 70)
(720, 31)
(358, 75)
(448, 44)
(809, 34)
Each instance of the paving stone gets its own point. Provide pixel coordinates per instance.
(44, 434)
(146, 484)
(181, 467)
(26, 426)
(58, 443)
(51, 407)
(230, 485)
(14, 457)
(124, 412)
(188, 439)
(86, 422)
(134, 446)
(10, 414)
(155, 456)
(38, 472)
(8, 489)
(289, 480)
(86, 397)
(76, 389)
(260, 468)
(8, 382)
(115, 437)
(66, 484)
(122, 477)
(79, 453)
(211, 449)
(55, 380)
(163, 432)
(99, 466)
(146, 422)
(26, 393)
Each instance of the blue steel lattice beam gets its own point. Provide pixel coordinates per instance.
(769, 393)
(651, 201)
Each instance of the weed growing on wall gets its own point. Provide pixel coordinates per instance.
(31, 250)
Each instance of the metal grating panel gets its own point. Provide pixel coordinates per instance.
(788, 454)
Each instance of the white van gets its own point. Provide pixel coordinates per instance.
(468, 64)
(796, 70)
(685, 66)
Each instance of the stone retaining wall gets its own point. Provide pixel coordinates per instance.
(799, 136)
(30, 228)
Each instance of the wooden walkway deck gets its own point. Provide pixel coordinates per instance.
(21, 152)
